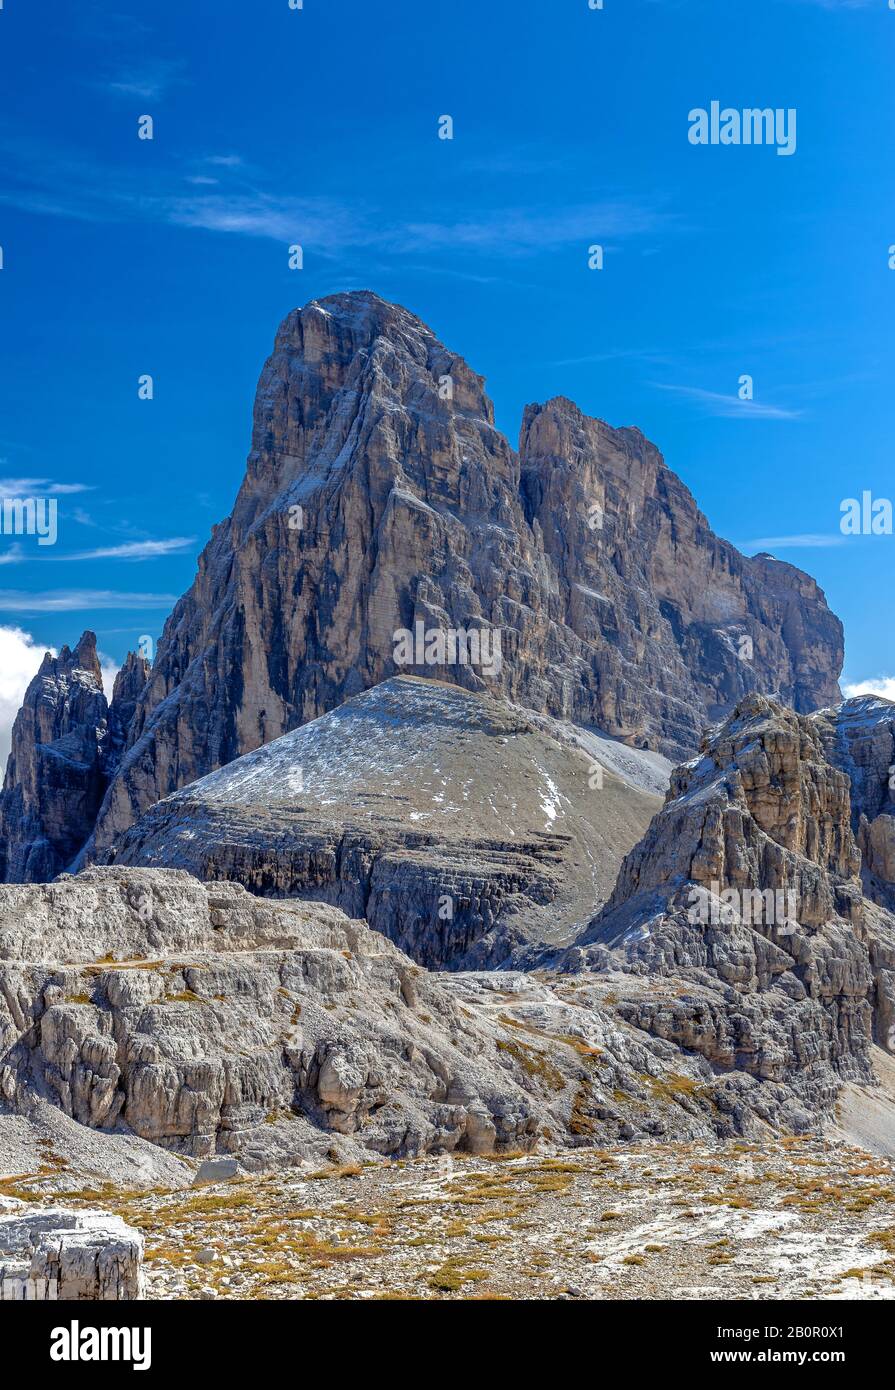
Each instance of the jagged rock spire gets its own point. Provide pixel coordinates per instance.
(66, 743)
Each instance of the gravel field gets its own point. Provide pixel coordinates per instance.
(804, 1218)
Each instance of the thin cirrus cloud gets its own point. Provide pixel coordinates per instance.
(729, 407)
(79, 600)
(327, 224)
(43, 487)
(809, 540)
(132, 550)
(523, 230)
(314, 220)
(41, 181)
(129, 550)
(148, 80)
(653, 356)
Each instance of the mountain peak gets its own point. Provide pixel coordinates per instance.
(351, 322)
(385, 528)
(85, 655)
(364, 306)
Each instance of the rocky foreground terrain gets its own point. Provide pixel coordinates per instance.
(796, 1218)
(745, 928)
(150, 1022)
(332, 971)
(209, 1022)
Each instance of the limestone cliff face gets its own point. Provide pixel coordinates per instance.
(66, 743)
(675, 624)
(748, 885)
(760, 808)
(379, 495)
(207, 1021)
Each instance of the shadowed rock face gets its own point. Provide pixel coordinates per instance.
(66, 742)
(676, 624)
(457, 824)
(379, 495)
(859, 738)
(129, 685)
(760, 807)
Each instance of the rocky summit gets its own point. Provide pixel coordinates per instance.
(381, 504)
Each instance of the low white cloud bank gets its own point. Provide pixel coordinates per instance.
(110, 671)
(20, 658)
(883, 685)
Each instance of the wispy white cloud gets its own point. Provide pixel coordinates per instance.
(729, 407)
(452, 273)
(879, 685)
(44, 487)
(652, 356)
(311, 221)
(13, 556)
(131, 550)
(528, 230)
(529, 163)
(79, 600)
(810, 540)
(42, 181)
(149, 79)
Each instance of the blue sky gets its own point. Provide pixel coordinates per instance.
(169, 257)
